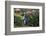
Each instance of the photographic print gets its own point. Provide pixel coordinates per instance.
(26, 17)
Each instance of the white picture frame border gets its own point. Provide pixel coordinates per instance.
(26, 28)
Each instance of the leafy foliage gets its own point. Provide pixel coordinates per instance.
(33, 19)
(17, 21)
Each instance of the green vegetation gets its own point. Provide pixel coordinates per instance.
(17, 21)
(33, 20)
